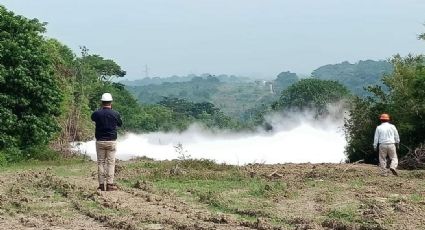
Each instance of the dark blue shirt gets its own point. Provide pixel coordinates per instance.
(107, 121)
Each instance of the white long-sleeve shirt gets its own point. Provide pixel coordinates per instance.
(385, 133)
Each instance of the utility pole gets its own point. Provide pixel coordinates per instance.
(146, 71)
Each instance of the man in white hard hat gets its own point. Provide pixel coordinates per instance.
(107, 120)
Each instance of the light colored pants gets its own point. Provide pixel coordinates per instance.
(390, 151)
(106, 161)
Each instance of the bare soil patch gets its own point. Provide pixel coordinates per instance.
(205, 195)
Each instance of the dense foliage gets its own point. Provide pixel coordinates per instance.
(82, 81)
(311, 94)
(30, 97)
(48, 92)
(356, 77)
(198, 89)
(105, 68)
(185, 112)
(404, 101)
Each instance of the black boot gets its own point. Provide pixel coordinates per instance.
(394, 172)
(111, 187)
(101, 187)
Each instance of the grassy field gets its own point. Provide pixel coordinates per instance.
(199, 194)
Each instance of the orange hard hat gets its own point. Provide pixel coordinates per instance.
(384, 117)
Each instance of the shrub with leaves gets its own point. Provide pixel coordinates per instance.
(30, 96)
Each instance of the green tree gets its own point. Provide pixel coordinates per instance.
(404, 101)
(186, 112)
(284, 80)
(356, 77)
(155, 117)
(74, 120)
(312, 94)
(30, 96)
(105, 68)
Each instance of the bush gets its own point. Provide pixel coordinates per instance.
(30, 94)
(3, 160)
(13, 155)
(42, 153)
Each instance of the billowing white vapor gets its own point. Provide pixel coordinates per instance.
(297, 138)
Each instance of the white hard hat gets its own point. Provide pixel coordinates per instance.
(106, 97)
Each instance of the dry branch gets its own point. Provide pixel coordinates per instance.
(414, 159)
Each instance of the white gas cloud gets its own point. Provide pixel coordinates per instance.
(295, 138)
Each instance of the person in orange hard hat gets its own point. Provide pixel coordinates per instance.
(387, 141)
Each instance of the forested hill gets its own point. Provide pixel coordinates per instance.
(238, 97)
(175, 78)
(233, 95)
(355, 76)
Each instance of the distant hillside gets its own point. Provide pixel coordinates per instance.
(233, 95)
(355, 76)
(160, 80)
(240, 97)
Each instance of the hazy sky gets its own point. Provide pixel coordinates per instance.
(243, 37)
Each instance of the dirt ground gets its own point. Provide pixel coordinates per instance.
(204, 195)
